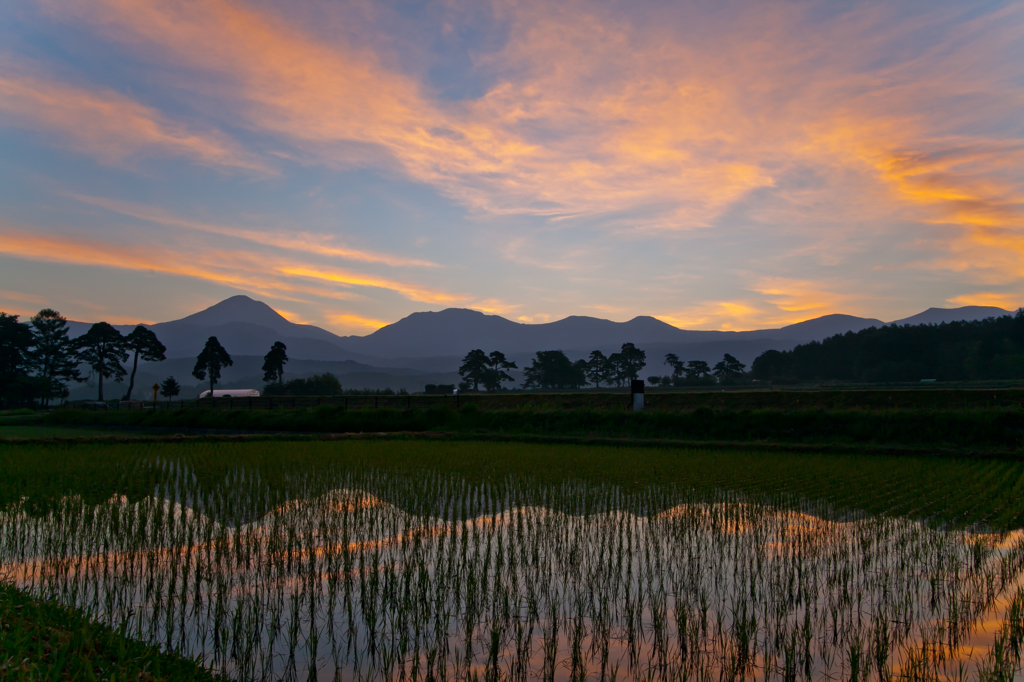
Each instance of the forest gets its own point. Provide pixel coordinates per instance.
(953, 351)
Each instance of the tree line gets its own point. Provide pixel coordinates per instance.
(552, 369)
(952, 351)
(39, 359)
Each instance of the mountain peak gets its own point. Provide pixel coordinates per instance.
(237, 309)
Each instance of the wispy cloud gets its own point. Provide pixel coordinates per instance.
(347, 278)
(269, 275)
(823, 137)
(22, 297)
(805, 298)
(107, 125)
(291, 240)
(1006, 301)
(570, 128)
(354, 321)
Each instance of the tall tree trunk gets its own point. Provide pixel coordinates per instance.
(101, 381)
(131, 382)
(211, 383)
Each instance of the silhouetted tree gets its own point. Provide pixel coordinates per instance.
(497, 364)
(142, 342)
(654, 380)
(769, 365)
(273, 363)
(678, 366)
(697, 369)
(474, 368)
(953, 351)
(579, 374)
(16, 340)
(169, 388)
(599, 369)
(628, 362)
(729, 369)
(318, 384)
(552, 369)
(211, 361)
(102, 348)
(53, 354)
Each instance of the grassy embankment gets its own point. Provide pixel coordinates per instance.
(41, 640)
(957, 419)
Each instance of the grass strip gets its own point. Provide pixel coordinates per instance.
(961, 428)
(134, 437)
(41, 640)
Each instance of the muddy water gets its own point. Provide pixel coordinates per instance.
(346, 586)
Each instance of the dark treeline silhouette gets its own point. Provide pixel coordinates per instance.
(953, 351)
(480, 369)
(38, 359)
(728, 370)
(553, 369)
(316, 385)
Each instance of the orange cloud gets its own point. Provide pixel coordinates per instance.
(652, 132)
(588, 114)
(108, 125)
(494, 306)
(350, 320)
(724, 315)
(831, 130)
(337, 276)
(972, 185)
(1006, 301)
(21, 297)
(247, 271)
(802, 297)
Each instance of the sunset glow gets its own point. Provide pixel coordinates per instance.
(718, 166)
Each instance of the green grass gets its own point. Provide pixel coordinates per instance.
(730, 398)
(40, 640)
(52, 431)
(971, 428)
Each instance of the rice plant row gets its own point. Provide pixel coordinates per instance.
(362, 572)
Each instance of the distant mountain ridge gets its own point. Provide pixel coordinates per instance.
(428, 341)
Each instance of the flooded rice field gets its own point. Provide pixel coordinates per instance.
(381, 574)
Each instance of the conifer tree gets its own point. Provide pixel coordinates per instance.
(211, 361)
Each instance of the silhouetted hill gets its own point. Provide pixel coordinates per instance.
(244, 327)
(436, 341)
(822, 327)
(968, 313)
(457, 331)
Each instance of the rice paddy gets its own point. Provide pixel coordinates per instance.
(435, 561)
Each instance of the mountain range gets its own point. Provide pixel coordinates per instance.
(428, 347)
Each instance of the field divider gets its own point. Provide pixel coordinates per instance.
(1007, 454)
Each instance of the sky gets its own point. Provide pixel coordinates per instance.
(717, 165)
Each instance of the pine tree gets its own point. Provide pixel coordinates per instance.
(16, 340)
(53, 355)
(102, 348)
(211, 361)
(273, 363)
(143, 342)
(169, 388)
